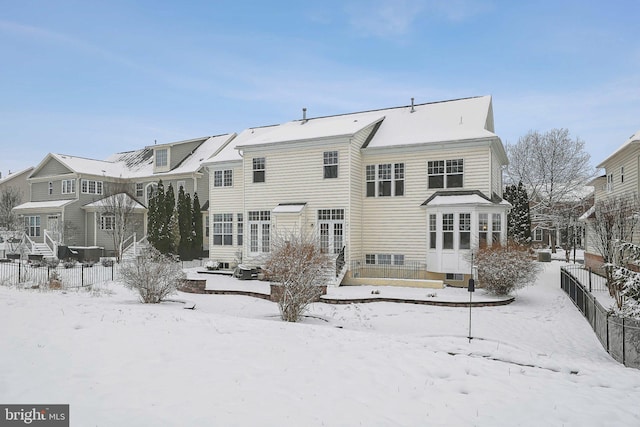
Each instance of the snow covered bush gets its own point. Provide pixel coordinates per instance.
(298, 264)
(212, 265)
(625, 282)
(153, 275)
(502, 269)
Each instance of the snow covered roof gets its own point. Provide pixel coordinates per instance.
(289, 208)
(230, 153)
(46, 205)
(13, 175)
(113, 201)
(588, 213)
(473, 197)
(633, 139)
(455, 120)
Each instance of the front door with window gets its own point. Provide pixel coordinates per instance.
(53, 227)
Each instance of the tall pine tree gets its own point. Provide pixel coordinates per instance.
(518, 219)
(156, 218)
(196, 219)
(184, 225)
(166, 206)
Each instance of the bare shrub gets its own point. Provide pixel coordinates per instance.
(502, 269)
(153, 275)
(297, 263)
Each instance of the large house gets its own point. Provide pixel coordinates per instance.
(621, 179)
(68, 194)
(403, 193)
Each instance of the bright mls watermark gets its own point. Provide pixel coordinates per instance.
(34, 415)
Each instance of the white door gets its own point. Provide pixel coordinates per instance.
(53, 227)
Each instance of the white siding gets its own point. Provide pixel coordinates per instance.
(226, 200)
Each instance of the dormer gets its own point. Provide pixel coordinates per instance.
(161, 158)
(167, 157)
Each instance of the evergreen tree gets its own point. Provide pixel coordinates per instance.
(164, 217)
(156, 219)
(196, 219)
(174, 231)
(152, 222)
(518, 219)
(184, 225)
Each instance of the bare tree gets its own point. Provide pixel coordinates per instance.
(120, 206)
(297, 263)
(502, 269)
(553, 167)
(10, 197)
(153, 275)
(614, 220)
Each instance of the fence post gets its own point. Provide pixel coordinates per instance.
(112, 266)
(19, 272)
(607, 321)
(82, 275)
(623, 338)
(589, 279)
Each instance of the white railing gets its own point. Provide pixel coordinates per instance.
(51, 243)
(27, 242)
(134, 244)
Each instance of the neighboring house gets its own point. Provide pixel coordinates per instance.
(549, 229)
(404, 192)
(621, 178)
(17, 182)
(65, 206)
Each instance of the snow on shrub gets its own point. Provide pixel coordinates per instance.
(153, 275)
(298, 264)
(502, 269)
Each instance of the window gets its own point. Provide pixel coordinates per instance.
(152, 190)
(331, 225)
(91, 187)
(181, 184)
(384, 259)
(259, 231)
(483, 229)
(621, 173)
(223, 178)
(398, 260)
(139, 189)
(432, 231)
(330, 164)
(385, 180)
(107, 222)
(537, 234)
(447, 231)
(445, 174)
(464, 227)
(240, 233)
(161, 157)
(610, 182)
(206, 226)
(32, 226)
(68, 186)
(259, 168)
(50, 187)
(457, 277)
(369, 259)
(496, 226)
(223, 229)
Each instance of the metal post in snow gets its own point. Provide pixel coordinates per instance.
(82, 275)
(471, 289)
(589, 279)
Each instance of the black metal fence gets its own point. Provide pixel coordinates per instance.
(619, 336)
(36, 274)
(408, 270)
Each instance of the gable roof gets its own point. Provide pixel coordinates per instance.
(633, 140)
(13, 175)
(113, 200)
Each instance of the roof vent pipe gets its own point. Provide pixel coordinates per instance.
(412, 109)
(304, 115)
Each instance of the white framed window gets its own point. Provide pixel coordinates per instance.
(445, 173)
(447, 231)
(32, 225)
(385, 180)
(223, 229)
(330, 159)
(464, 231)
(456, 277)
(610, 183)
(181, 184)
(496, 228)
(240, 230)
(107, 222)
(139, 189)
(483, 229)
(223, 178)
(621, 174)
(433, 227)
(370, 259)
(384, 259)
(88, 186)
(206, 226)
(331, 226)
(260, 231)
(538, 234)
(50, 187)
(162, 157)
(398, 259)
(68, 186)
(259, 169)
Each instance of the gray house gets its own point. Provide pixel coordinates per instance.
(68, 194)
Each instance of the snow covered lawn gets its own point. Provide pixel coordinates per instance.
(232, 362)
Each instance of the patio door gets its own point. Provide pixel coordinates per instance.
(331, 226)
(53, 227)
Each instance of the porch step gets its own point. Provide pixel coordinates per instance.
(42, 249)
(130, 255)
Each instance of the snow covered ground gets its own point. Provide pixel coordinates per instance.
(231, 361)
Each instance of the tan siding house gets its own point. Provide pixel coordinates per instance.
(366, 184)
